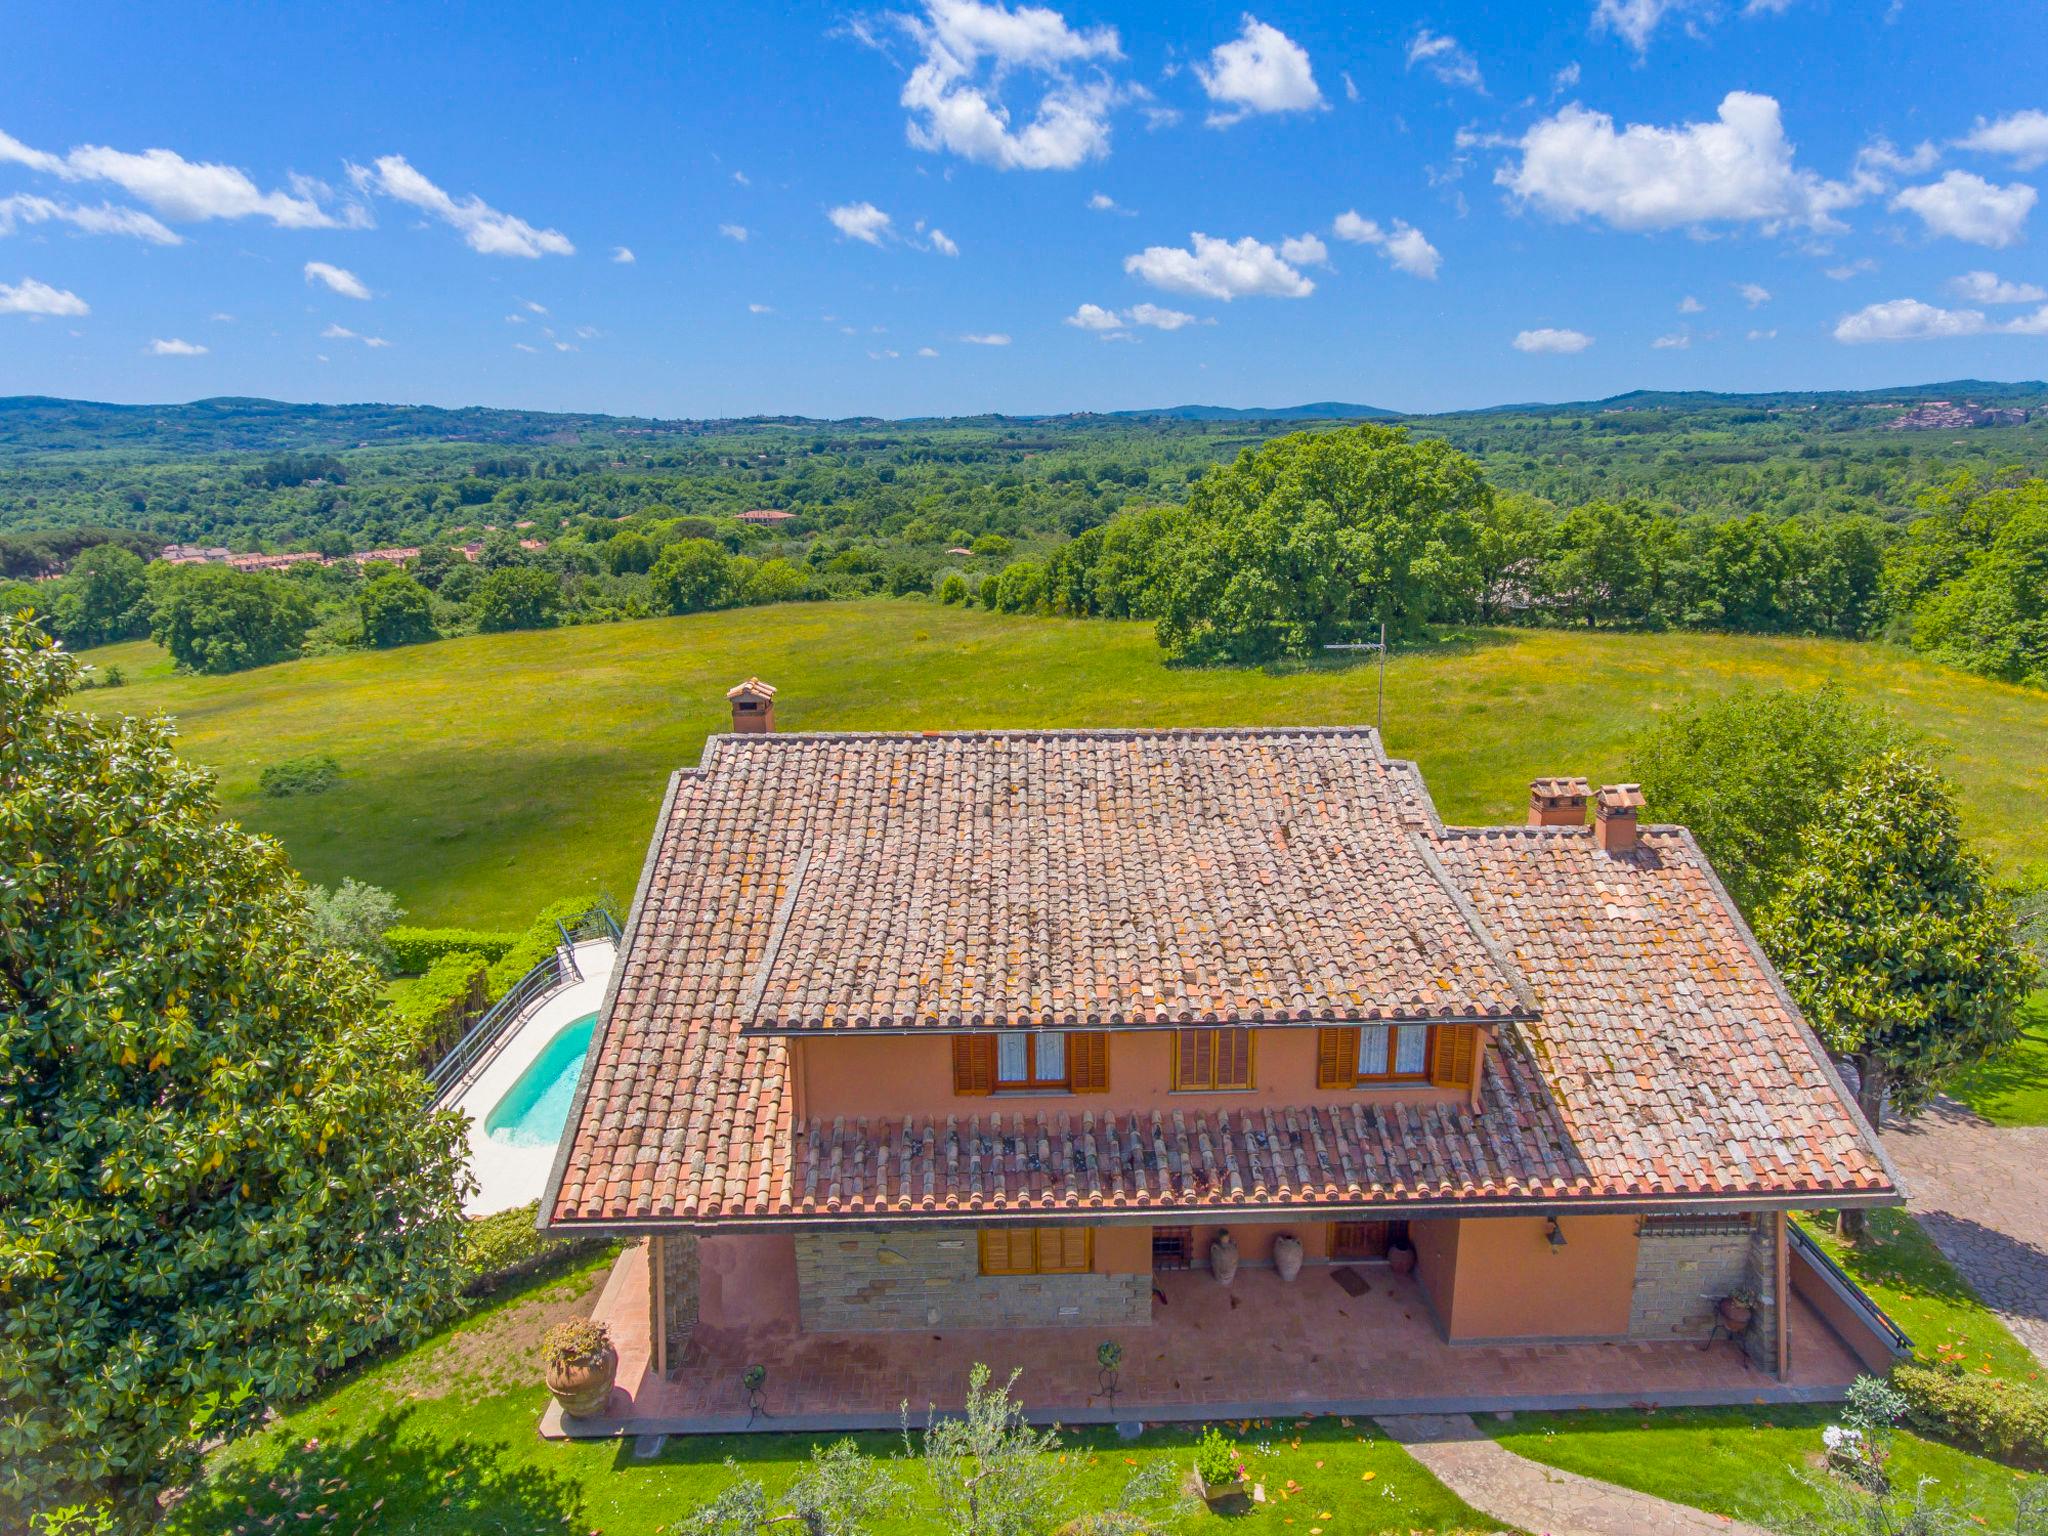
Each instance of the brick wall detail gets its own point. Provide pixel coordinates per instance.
(877, 1279)
(1681, 1276)
(676, 1253)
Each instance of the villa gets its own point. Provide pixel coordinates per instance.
(931, 1047)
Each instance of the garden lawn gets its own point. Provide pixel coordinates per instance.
(441, 1440)
(1746, 1463)
(2012, 1087)
(486, 775)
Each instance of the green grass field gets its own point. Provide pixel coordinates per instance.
(486, 775)
(2012, 1087)
(441, 1440)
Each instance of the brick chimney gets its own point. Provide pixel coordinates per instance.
(753, 708)
(1558, 802)
(1614, 816)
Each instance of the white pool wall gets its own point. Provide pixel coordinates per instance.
(508, 1175)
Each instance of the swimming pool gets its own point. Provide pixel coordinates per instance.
(535, 1108)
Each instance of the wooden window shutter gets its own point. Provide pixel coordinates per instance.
(1194, 1058)
(1233, 1058)
(974, 1063)
(1336, 1058)
(1075, 1257)
(1451, 1057)
(1088, 1061)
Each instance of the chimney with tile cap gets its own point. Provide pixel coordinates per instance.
(1614, 816)
(753, 708)
(1558, 802)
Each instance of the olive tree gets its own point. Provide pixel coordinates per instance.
(217, 1178)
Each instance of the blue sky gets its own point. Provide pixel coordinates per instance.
(952, 207)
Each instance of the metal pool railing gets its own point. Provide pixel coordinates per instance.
(485, 1033)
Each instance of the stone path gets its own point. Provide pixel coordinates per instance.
(1981, 1191)
(1540, 1499)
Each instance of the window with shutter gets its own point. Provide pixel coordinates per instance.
(1030, 1061)
(1205, 1060)
(1037, 1250)
(1088, 1062)
(1375, 1053)
(974, 1064)
(1457, 1047)
(1336, 1058)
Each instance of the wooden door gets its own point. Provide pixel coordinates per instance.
(1358, 1239)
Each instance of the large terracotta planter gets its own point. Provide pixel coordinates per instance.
(584, 1387)
(1735, 1315)
(1223, 1498)
(1223, 1259)
(1287, 1257)
(1401, 1257)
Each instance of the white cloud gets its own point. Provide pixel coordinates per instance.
(944, 243)
(338, 279)
(1849, 269)
(173, 347)
(2022, 136)
(521, 346)
(1351, 92)
(1220, 269)
(1690, 305)
(988, 338)
(1769, 335)
(29, 297)
(1879, 158)
(184, 191)
(1633, 20)
(1262, 70)
(1989, 288)
(623, 255)
(1907, 320)
(760, 309)
(1967, 207)
(1444, 58)
(1160, 319)
(338, 333)
(1677, 341)
(375, 341)
(1093, 317)
(1108, 322)
(734, 232)
(971, 50)
(2035, 324)
(1304, 251)
(860, 221)
(1753, 294)
(1736, 169)
(927, 351)
(483, 228)
(1549, 339)
(1565, 78)
(534, 306)
(1102, 202)
(1404, 245)
(563, 346)
(106, 219)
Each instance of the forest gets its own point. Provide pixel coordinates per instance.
(1841, 514)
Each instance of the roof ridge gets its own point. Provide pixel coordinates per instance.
(771, 739)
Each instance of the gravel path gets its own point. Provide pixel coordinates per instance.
(1981, 1191)
(1540, 1499)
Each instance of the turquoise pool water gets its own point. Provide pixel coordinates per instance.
(536, 1107)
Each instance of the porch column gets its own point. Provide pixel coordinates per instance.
(1781, 1242)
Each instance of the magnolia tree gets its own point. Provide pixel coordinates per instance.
(217, 1180)
(1893, 939)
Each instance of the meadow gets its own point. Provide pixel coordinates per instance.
(485, 775)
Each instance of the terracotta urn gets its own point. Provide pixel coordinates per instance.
(1287, 1256)
(1223, 1258)
(584, 1387)
(1401, 1257)
(1735, 1315)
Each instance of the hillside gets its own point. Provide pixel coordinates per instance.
(483, 775)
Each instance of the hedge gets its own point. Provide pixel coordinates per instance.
(414, 949)
(2000, 1418)
(437, 1007)
(501, 1247)
(535, 945)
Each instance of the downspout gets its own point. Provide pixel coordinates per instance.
(1782, 1255)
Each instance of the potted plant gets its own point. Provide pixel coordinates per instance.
(1400, 1255)
(1287, 1256)
(1219, 1470)
(1223, 1257)
(1736, 1309)
(580, 1365)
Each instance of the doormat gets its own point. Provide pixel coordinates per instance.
(1352, 1281)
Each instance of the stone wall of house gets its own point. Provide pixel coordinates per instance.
(675, 1299)
(904, 1278)
(1684, 1269)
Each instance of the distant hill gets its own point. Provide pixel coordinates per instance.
(1982, 391)
(1320, 410)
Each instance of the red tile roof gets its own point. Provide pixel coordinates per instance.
(825, 882)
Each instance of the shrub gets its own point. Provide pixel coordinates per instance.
(309, 775)
(953, 589)
(2001, 1418)
(414, 949)
(579, 1341)
(691, 577)
(518, 597)
(354, 917)
(436, 1008)
(535, 945)
(498, 1247)
(1216, 1459)
(395, 610)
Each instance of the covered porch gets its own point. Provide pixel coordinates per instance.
(1258, 1348)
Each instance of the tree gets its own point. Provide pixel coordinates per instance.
(692, 576)
(215, 619)
(217, 1179)
(518, 597)
(840, 1493)
(777, 581)
(102, 598)
(1748, 773)
(1993, 619)
(1314, 538)
(396, 610)
(1893, 940)
(1509, 537)
(354, 917)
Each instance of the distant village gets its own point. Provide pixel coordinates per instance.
(1948, 416)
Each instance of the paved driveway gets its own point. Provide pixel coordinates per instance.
(1981, 1191)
